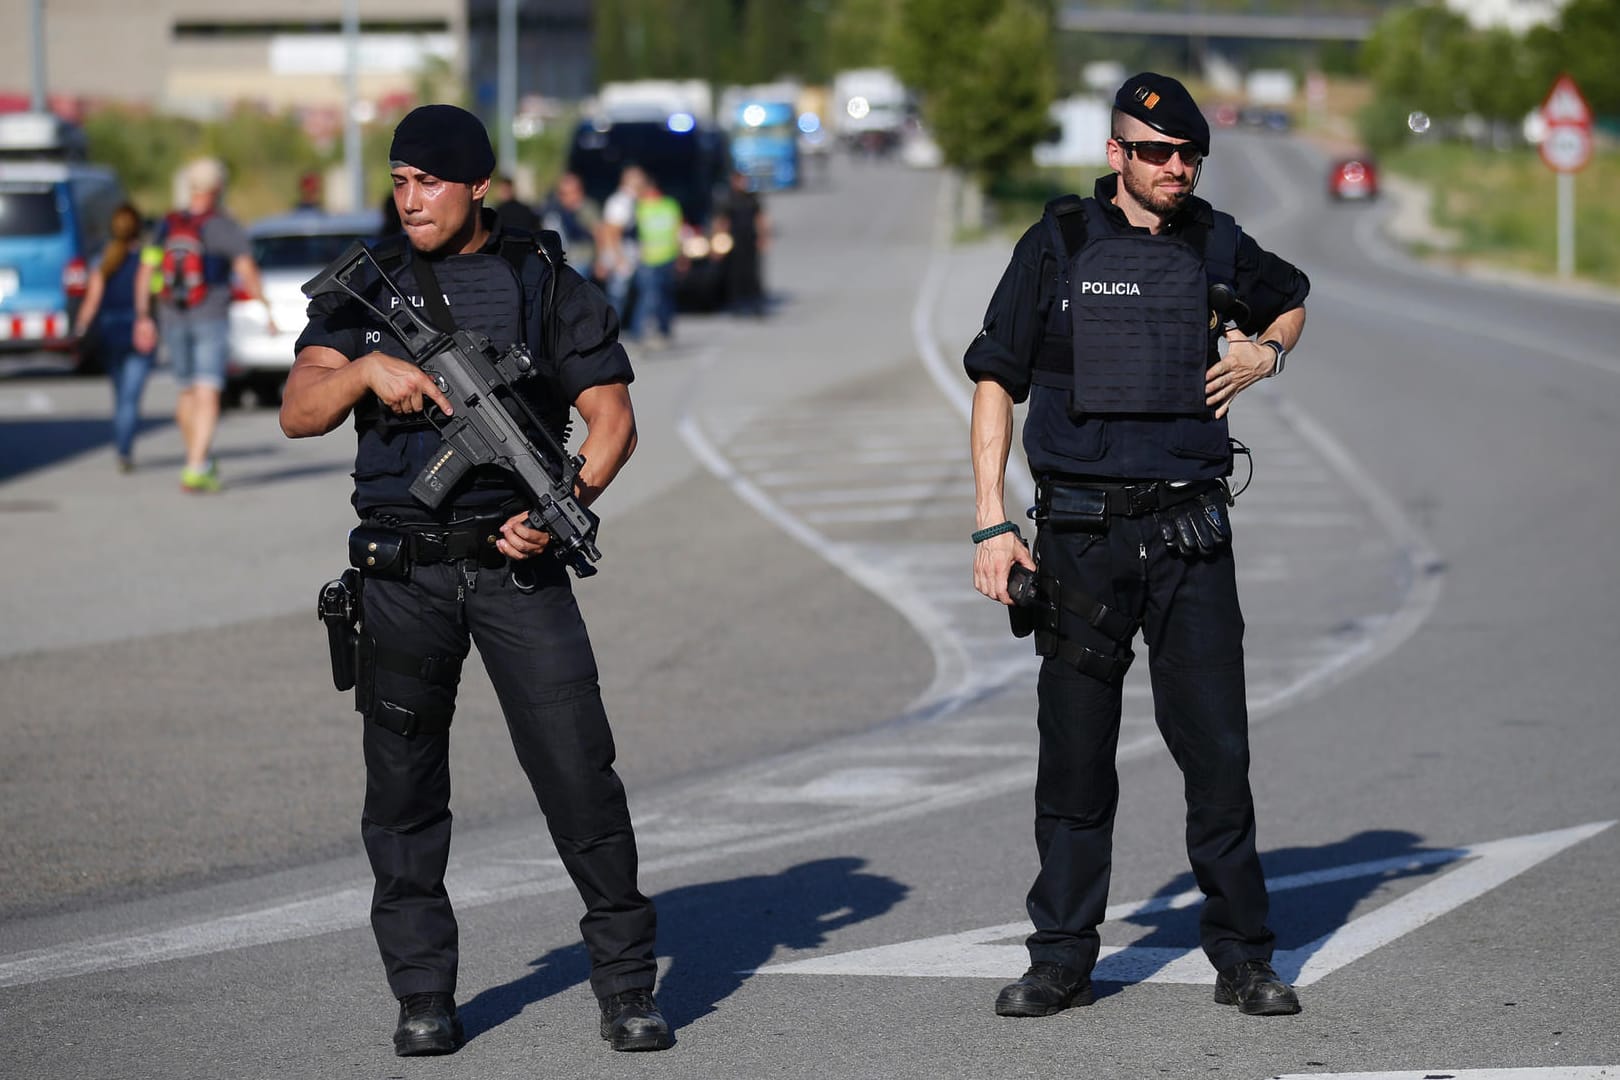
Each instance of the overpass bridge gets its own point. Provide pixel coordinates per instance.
(1213, 24)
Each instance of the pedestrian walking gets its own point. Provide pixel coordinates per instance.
(195, 254)
(618, 252)
(1107, 320)
(658, 233)
(106, 323)
(472, 572)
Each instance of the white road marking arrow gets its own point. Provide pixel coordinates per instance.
(998, 951)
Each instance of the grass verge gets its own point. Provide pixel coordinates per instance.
(1503, 207)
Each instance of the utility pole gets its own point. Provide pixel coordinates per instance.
(36, 13)
(506, 93)
(351, 105)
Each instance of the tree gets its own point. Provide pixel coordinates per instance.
(1585, 46)
(665, 39)
(987, 99)
(1502, 79)
(1417, 60)
(771, 45)
(860, 34)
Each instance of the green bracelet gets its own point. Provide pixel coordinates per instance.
(996, 530)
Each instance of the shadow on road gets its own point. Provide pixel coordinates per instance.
(1303, 916)
(31, 444)
(715, 935)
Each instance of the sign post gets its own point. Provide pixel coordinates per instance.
(1566, 148)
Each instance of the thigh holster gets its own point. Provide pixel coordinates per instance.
(1059, 607)
(405, 693)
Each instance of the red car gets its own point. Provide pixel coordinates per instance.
(1353, 178)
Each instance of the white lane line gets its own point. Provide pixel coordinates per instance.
(953, 383)
(1555, 1072)
(1423, 567)
(1492, 864)
(1392, 303)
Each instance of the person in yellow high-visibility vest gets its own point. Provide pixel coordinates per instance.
(658, 231)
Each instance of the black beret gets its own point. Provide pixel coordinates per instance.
(444, 141)
(1164, 105)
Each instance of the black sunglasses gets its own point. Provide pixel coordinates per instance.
(1160, 153)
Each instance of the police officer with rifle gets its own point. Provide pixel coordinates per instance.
(460, 348)
(1108, 320)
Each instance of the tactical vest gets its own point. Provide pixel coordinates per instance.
(1132, 326)
(502, 296)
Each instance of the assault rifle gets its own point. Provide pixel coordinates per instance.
(484, 428)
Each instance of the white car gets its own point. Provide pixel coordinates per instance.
(290, 249)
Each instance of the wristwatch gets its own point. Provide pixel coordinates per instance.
(1282, 357)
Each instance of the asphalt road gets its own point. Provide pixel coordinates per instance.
(826, 734)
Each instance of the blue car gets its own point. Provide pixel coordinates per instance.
(54, 219)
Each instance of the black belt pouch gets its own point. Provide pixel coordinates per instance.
(379, 552)
(1076, 509)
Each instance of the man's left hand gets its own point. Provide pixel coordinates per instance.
(1245, 364)
(519, 541)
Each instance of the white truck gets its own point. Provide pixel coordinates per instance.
(870, 108)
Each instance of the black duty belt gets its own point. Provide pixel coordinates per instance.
(437, 544)
(1130, 499)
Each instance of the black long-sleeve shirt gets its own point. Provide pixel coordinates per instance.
(1018, 325)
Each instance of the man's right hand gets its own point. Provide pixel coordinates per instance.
(993, 560)
(401, 386)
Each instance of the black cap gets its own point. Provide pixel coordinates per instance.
(444, 141)
(1164, 105)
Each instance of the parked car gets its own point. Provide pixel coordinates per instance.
(1353, 178)
(54, 218)
(290, 249)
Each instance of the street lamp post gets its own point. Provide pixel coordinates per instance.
(506, 105)
(351, 105)
(36, 13)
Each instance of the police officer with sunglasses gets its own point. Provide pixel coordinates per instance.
(1109, 321)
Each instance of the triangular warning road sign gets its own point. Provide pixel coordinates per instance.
(1565, 105)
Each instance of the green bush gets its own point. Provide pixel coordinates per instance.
(1503, 206)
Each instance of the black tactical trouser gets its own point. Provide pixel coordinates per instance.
(1194, 631)
(539, 659)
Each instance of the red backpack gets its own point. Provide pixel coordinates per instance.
(184, 270)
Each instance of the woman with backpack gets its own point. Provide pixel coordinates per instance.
(106, 322)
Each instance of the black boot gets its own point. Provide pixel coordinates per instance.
(1045, 989)
(1255, 989)
(631, 1021)
(428, 1024)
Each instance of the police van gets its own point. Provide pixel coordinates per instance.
(666, 129)
(55, 215)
